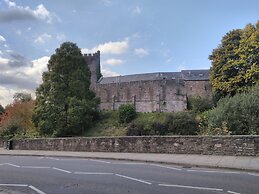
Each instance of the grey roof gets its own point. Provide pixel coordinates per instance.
(195, 74)
(186, 75)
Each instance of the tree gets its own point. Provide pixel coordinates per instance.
(235, 62)
(22, 97)
(17, 119)
(64, 104)
(1, 109)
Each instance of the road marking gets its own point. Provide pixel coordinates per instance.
(253, 174)
(94, 173)
(14, 185)
(37, 190)
(172, 168)
(59, 169)
(102, 161)
(191, 187)
(38, 167)
(51, 158)
(213, 171)
(134, 179)
(232, 192)
(12, 165)
(130, 163)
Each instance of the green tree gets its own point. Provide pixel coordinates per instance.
(64, 104)
(1, 109)
(22, 97)
(237, 115)
(127, 113)
(235, 62)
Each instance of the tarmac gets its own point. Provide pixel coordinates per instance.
(246, 163)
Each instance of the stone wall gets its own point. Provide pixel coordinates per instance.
(147, 96)
(209, 145)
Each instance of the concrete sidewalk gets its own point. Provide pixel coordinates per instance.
(186, 160)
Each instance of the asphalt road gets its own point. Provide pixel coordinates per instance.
(45, 175)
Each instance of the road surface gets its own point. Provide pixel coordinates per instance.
(50, 175)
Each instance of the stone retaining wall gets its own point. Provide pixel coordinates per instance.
(209, 145)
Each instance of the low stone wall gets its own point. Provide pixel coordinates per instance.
(209, 145)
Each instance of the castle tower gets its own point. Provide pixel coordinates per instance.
(93, 62)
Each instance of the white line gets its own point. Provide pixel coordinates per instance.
(253, 174)
(39, 167)
(12, 165)
(100, 161)
(172, 168)
(138, 180)
(14, 185)
(211, 171)
(37, 190)
(94, 173)
(232, 192)
(61, 170)
(130, 163)
(52, 158)
(191, 187)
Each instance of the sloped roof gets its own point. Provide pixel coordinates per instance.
(186, 75)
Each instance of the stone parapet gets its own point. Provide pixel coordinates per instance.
(207, 145)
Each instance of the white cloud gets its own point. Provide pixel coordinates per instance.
(114, 62)
(2, 39)
(60, 37)
(106, 72)
(16, 12)
(141, 52)
(10, 3)
(136, 11)
(42, 13)
(110, 47)
(3, 62)
(36, 70)
(43, 38)
(18, 32)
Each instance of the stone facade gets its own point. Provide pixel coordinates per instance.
(207, 145)
(150, 92)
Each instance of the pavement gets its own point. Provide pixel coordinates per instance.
(186, 160)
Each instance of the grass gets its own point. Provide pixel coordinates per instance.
(108, 124)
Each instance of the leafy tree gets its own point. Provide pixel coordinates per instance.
(127, 113)
(1, 109)
(64, 104)
(22, 97)
(237, 115)
(199, 104)
(235, 62)
(17, 120)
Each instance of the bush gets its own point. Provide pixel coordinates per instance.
(127, 113)
(182, 123)
(199, 104)
(238, 114)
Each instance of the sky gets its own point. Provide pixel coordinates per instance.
(133, 36)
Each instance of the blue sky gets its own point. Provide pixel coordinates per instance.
(134, 36)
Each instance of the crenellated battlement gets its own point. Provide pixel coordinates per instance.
(92, 56)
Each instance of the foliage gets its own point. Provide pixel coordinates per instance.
(237, 115)
(22, 97)
(127, 113)
(182, 123)
(17, 120)
(1, 109)
(199, 104)
(235, 62)
(64, 104)
(107, 125)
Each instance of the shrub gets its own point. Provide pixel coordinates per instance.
(182, 123)
(238, 114)
(127, 113)
(199, 104)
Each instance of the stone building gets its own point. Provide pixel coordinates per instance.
(149, 92)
